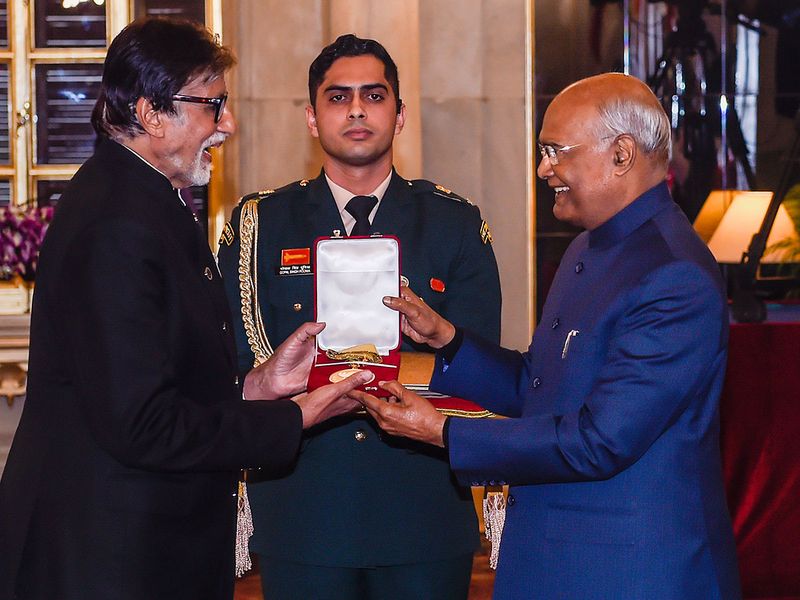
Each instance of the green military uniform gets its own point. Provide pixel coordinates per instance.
(357, 497)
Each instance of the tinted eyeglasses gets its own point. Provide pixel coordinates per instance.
(218, 103)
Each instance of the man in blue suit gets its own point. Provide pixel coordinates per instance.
(611, 450)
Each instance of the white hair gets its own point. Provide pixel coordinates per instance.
(646, 122)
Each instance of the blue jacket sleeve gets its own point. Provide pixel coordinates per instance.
(665, 352)
(465, 376)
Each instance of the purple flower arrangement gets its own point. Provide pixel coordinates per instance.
(22, 231)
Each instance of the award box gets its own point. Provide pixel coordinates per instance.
(351, 277)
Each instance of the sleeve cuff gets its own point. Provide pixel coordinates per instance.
(448, 351)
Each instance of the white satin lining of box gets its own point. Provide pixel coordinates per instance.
(353, 276)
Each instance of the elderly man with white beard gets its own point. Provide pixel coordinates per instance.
(122, 480)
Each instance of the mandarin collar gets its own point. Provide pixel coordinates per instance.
(630, 218)
(146, 174)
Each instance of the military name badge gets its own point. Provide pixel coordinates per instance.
(295, 261)
(486, 235)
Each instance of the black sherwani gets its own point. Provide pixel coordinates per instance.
(121, 481)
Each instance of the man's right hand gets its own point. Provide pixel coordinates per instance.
(406, 414)
(285, 372)
(419, 321)
(330, 400)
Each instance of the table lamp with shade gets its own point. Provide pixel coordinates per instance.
(732, 223)
(729, 218)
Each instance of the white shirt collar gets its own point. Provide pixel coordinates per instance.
(342, 196)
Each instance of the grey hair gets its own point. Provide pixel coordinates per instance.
(646, 122)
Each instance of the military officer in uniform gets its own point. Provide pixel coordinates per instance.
(363, 515)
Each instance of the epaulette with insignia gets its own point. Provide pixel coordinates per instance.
(261, 195)
(257, 196)
(423, 185)
(228, 235)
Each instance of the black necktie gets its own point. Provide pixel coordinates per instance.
(360, 207)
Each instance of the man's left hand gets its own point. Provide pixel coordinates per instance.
(406, 414)
(285, 373)
(419, 321)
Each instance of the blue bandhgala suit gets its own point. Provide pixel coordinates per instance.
(611, 450)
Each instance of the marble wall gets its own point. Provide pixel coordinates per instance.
(473, 107)
(463, 77)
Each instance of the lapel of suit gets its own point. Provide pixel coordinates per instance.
(393, 216)
(321, 210)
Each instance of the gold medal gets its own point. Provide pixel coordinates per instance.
(343, 374)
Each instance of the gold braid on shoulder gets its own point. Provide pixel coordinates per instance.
(248, 283)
